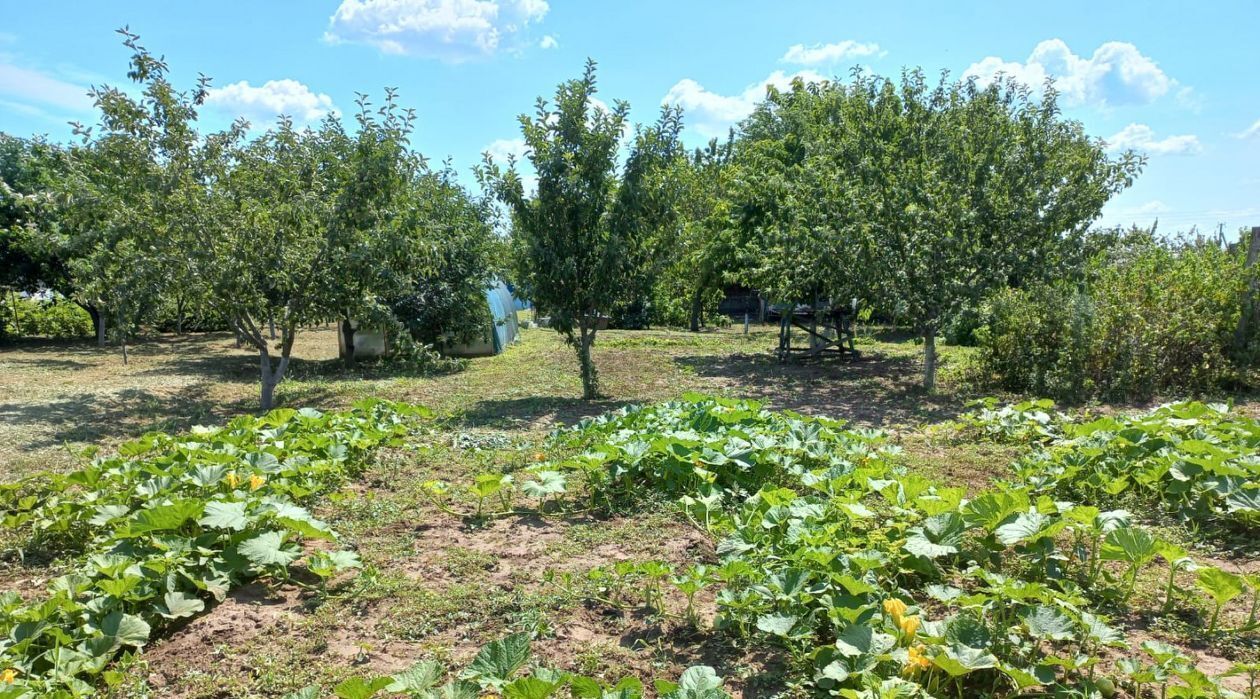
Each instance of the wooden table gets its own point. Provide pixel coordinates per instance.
(830, 330)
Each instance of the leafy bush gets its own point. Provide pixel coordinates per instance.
(56, 317)
(1152, 318)
(1195, 460)
(173, 522)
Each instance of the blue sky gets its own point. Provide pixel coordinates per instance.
(1176, 80)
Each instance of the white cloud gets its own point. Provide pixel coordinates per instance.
(1154, 206)
(711, 113)
(1116, 74)
(1250, 131)
(500, 149)
(1141, 137)
(27, 85)
(271, 99)
(451, 30)
(548, 42)
(828, 53)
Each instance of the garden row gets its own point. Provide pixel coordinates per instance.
(881, 582)
(173, 523)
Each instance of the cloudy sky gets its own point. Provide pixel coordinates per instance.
(1177, 81)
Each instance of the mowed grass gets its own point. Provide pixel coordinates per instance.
(56, 398)
(436, 586)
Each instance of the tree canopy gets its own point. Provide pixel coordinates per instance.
(584, 240)
(922, 196)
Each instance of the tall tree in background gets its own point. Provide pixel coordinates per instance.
(445, 301)
(265, 261)
(792, 199)
(38, 238)
(369, 252)
(925, 196)
(582, 239)
(970, 189)
(125, 192)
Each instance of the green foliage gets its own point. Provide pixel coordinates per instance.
(55, 317)
(1194, 460)
(694, 257)
(148, 221)
(499, 669)
(882, 581)
(1153, 317)
(171, 523)
(870, 190)
(584, 241)
(446, 302)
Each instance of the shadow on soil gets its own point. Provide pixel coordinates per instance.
(876, 390)
(90, 417)
(524, 413)
(129, 413)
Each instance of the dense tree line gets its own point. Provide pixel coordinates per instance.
(144, 217)
(919, 197)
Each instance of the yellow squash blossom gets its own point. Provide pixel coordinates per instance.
(909, 625)
(8, 676)
(894, 608)
(916, 659)
(232, 479)
(539, 456)
(256, 481)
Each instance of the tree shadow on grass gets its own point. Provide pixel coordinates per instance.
(129, 413)
(876, 390)
(534, 411)
(47, 363)
(91, 417)
(243, 367)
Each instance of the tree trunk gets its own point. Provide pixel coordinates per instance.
(179, 316)
(590, 377)
(98, 319)
(17, 320)
(347, 338)
(271, 377)
(271, 322)
(697, 308)
(929, 360)
(269, 380)
(122, 337)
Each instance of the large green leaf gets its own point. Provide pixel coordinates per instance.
(360, 688)
(1132, 545)
(496, 662)
(267, 549)
(176, 605)
(697, 682)
(529, 688)
(1223, 586)
(1048, 623)
(166, 517)
(958, 660)
(417, 678)
(777, 624)
(125, 629)
(1028, 526)
(225, 515)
